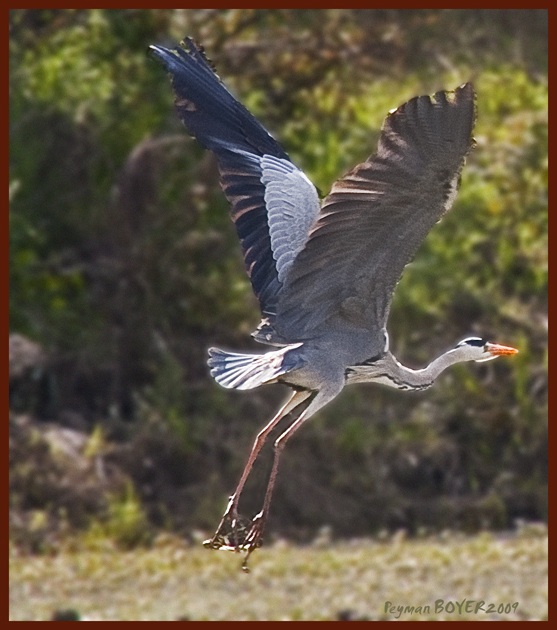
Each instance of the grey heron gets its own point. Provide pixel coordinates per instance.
(324, 272)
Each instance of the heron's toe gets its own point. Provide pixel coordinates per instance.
(231, 534)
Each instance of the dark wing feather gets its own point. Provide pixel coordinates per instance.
(375, 218)
(244, 150)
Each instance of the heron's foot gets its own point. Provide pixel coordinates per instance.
(237, 533)
(230, 533)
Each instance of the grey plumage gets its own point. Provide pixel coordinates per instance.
(292, 207)
(324, 274)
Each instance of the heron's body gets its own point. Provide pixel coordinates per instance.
(324, 271)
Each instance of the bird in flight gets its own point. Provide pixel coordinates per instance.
(324, 272)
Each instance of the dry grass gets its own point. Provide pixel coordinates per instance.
(172, 581)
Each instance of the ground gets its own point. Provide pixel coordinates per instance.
(445, 577)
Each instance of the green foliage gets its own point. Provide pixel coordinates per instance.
(125, 524)
(165, 401)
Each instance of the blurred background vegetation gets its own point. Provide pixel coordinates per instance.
(124, 268)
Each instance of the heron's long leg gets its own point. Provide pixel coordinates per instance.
(231, 511)
(252, 540)
(291, 403)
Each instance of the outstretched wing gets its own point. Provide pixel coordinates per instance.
(376, 216)
(273, 204)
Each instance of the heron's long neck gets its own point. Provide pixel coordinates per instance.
(389, 371)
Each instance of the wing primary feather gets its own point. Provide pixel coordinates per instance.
(376, 216)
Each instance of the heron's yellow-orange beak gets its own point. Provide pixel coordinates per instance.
(496, 350)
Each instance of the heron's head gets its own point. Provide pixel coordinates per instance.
(479, 350)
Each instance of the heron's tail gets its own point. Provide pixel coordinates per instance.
(246, 371)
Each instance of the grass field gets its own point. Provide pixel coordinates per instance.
(441, 578)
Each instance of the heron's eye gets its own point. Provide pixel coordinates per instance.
(473, 341)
